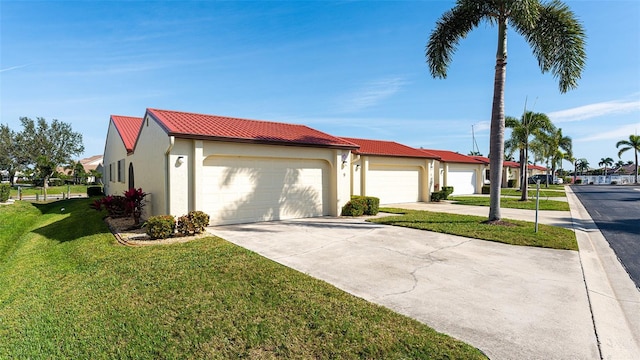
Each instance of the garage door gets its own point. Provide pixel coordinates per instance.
(394, 184)
(242, 190)
(463, 181)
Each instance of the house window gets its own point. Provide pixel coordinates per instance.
(487, 174)
(111, 172)
(121, 170)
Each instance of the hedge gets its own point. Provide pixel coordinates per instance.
(5, 190)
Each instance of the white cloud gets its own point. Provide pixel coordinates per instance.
(620, 133)
(13, 68)
(595, 110)
(371, 94)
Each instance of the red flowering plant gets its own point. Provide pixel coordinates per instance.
(135, 203)
(116, 206)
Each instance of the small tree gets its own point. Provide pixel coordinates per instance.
(606, 162)
(49, 145)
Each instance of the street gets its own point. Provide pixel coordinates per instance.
(616, 211)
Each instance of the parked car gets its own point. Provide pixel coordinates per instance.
(544, 179)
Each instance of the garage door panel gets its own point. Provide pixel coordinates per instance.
(248, 190)
(394, 184)
(463, 181)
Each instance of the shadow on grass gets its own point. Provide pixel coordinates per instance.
(75, 220)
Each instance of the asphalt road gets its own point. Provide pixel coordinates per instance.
(616, 211)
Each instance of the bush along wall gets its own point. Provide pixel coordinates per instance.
(442, 194)
(361, 205)
(5, 190)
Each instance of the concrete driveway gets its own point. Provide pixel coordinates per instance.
(511, 302)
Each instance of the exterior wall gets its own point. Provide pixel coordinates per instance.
(191, 189)
(364, 168)
(151, 165)
(114, 151)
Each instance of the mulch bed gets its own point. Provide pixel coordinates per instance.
(128, 234)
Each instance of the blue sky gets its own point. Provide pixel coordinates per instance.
(352, 69)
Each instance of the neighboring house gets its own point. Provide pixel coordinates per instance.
(390, 171)
(510, 172)
(121, 137)
(464, 173)
(91, 163)
(536, 169)
(235, 170)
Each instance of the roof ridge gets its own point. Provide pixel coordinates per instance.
(232, 117)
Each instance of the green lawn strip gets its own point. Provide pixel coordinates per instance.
(512, 203)
(68, 291)
(555, 187)
(51, 190)
(522, 233)
(532, 193)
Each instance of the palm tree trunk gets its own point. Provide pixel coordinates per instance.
(524, 186)
(636, 152)
(496, 142)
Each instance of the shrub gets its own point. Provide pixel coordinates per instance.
(447, 190)
(511, 183)
(116, 205)
(160, 227)
(614, 183)
(5, 190)
(135, 203)
(578, 181)
(355, 207)
(94, 191)
(371, 204)
(436, 196)
(486, 189)
(192, 223)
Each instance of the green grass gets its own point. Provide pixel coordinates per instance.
(532, 192)
(522, 233)
(67, 290)
(551, 187)
(512, 203)
(51, 190)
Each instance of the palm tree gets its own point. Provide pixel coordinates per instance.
(552, 31)
(619, 164)
(632, 143)
(530, 124)
(582, 165)
(606, 162)
(559, 145)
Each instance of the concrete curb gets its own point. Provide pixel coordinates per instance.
(613, 297)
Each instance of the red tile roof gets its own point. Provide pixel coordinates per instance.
(128, 127)
(453, 157)
(387, 148)
(537, 167)
(213, 127)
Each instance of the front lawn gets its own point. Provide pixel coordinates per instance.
(51, 190)
(513, 203)
(67, 290)
(532, 193)
(521, 233)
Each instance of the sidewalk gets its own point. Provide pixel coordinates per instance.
(613, 297)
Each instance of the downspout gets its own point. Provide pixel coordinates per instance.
(167, 187)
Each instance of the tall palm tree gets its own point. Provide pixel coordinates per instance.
(552, 31)
(606, 162)
(521, 130)
(632, 143)
(558, 145)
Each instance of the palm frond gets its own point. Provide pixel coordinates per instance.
(558, 43)
(453, 26)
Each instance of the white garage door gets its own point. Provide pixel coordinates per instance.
(463, 181)
(394, 184)
(242, 190)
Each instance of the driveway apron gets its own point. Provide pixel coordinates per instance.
(511, 302)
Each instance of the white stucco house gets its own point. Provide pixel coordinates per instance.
(235, 170)
(392, 172)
